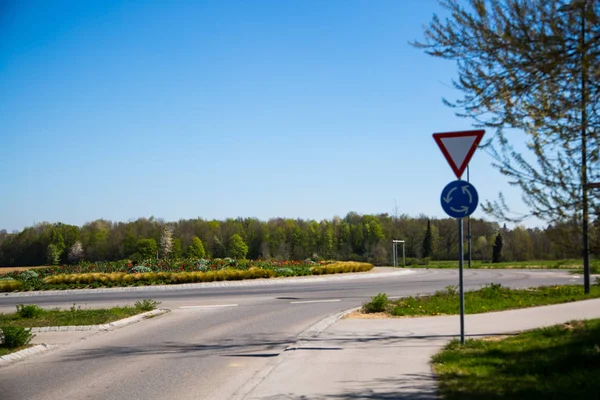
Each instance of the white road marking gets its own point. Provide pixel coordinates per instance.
(211, 306)
(315, 301)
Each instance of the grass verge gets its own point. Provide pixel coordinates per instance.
(571, 264)
(74, 316)
(492, 297)
(560, 362)
(5, 351)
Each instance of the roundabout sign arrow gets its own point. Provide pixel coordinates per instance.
(459, 199)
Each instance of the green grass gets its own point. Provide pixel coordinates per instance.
(73, 316)
(539, 264)
(493, 297)
(560, 362)
(4, 351)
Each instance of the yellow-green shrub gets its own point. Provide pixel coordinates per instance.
(342, 267)
(9, 286)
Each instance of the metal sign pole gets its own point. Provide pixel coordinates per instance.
(469, 237)
(460, 281)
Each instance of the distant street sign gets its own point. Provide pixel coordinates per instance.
(458, 148)
(459, 199)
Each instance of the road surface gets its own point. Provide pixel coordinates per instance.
(216, 341)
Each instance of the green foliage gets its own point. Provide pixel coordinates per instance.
(52, 254)
(354, 237)
(147, 248)
(9, 284)
(177, 251)
(15, 336)
(428, 241)
(377, 304)
(147, 304)
(559, 362)
(141, 269)
(75, 315)
(492, 297)
(27, 275)
(196, 249)
(29, 311)
(237, 248)
(516, 63)
(497, 250)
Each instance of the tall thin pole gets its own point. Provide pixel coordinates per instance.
(460, 281)
(469, 228)
(584, 178)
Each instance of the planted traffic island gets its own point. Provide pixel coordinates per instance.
(166, 272)
(16, 329)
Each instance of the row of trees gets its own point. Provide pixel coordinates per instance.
(354, 237)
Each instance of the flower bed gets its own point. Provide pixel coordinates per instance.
(126, 273)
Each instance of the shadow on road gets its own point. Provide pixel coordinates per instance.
(409, 387)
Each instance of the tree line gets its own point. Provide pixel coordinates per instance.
(354, 237)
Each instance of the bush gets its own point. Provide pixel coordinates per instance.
(9, 286)
(146, 304)
(15, 336)
(377, 304)
(284, 271)
(29, 311)
(27, 275)
(141, 269)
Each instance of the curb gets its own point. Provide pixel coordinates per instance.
(104, 327)
(310, 332)
(19, 355)
(43, 347)
(245, 282)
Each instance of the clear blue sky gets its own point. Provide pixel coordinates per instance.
(217, 109)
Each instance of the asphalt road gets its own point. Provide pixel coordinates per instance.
(216, 339)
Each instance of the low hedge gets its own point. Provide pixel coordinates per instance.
(10, 286)
(342, 267)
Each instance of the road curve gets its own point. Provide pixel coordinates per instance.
(216, 339)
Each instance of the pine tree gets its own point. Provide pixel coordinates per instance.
(497, 250)
(428, 241)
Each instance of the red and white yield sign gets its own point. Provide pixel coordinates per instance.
(458, 148)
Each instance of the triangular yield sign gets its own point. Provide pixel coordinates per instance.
(458, 148)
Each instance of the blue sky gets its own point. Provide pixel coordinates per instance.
(217, 109)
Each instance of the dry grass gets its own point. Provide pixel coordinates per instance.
(6, 270)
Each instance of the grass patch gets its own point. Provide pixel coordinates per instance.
(5, 351)
(573, 264)
(74, 316)
(560, 362)
(493, 297)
